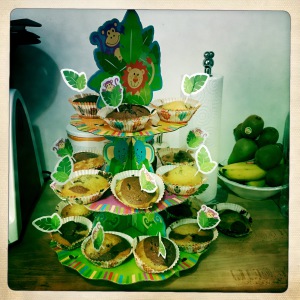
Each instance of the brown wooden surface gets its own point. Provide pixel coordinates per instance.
(256, 263)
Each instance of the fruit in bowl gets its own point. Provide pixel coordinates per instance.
(249, 181)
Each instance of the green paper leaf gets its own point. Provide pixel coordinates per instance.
(203, 160)
(161, 247)
(48, 223)
(97, 236)
(194, 83)
(131, 41)
(147, 180)
(207, 218)
(74, 80)
(63, 170)
(201, 189)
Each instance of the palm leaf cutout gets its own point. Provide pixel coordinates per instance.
(193, 84)
(147, 180)
(74, 80)
(63, 170)
(203, 160)
(207, 218)
(161, 247)
(48, 223)
(97, 236)
(63, 147)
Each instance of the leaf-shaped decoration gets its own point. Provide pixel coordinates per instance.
(147, 180)
(207, 218)
(111, 91)
(201, 189)
(193, 84)
(63, 170)
(131, 42)
(62, 147)
(148, 34)
(48, 223)
(97, 236)
(203, 160)
(196, 137)
(74, 80)
(161, 247)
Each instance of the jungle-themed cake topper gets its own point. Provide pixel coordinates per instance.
(74, 80)
(48, 223)
(111, 92)
(147, 181)
(97, 236)
(62, 147)
(195, 138)
(207, 218)
(193, 84)
(127, 50)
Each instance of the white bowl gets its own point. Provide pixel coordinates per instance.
(251, 192)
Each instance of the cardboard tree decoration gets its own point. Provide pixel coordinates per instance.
(127, 50)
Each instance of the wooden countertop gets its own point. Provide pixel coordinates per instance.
(255, 263)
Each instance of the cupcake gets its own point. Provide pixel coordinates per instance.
(85, 105)
(186, 234)
(176, 110)
(83, 187)
(65, 210)
(126, 188)
(126, 118)
(146, 250)
(116, 248)
(85, 160)
(182, 180)
(72, 232)
(175, 156)
(235, 220)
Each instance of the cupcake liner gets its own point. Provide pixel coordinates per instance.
(131, 173)
(125, 125)
(91, 150)
(76, 219)
(196, 247)
(182, 190)
(175, 116)
(171, 151)
(81, 199)
(85, 109)
(147, 268)
(237, 208)
(62, 204)
(112, 263)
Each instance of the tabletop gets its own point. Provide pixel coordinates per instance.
(257, 262)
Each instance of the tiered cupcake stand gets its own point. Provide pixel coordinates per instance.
(114, 215)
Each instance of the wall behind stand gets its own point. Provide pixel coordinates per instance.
(252, 52)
